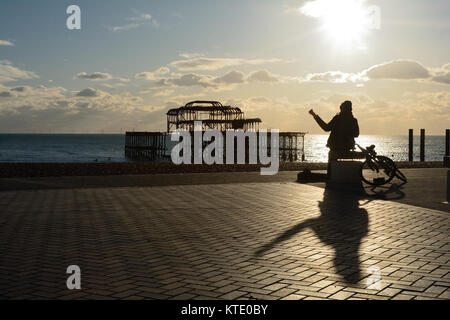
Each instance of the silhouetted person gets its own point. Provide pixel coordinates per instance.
(344, 129)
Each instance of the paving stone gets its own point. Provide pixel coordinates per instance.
(341, 295)
(230, 241)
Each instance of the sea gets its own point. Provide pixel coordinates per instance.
(66, 148)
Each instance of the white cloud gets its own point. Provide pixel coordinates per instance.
(216, 63)
(163, 93)
(162, 70)
(152, 75)
(442, 75)
(262, 76)
(445, 78)
(9, 73)
(43, 109)
(137, 21)
(189, 55)
(398, 69)
(115, 85)
(401, 69)
(224, 82)
(6, 43)
(334, 77)
(125, 27)
(142, 17)
(189, 80)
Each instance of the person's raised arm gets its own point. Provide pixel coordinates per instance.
(325, 126)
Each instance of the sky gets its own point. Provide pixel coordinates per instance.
(133, 60)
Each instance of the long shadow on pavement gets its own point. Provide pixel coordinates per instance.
(342, 224)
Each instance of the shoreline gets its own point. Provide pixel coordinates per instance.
(16, 170)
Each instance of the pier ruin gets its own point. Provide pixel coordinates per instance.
(153, 146)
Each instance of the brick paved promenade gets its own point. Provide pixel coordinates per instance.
(225, 241)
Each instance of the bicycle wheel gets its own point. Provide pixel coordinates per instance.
(378, 171)
(400, 175)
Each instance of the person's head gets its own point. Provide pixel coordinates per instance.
(346, 107)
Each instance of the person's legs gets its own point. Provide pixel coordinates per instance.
(332, 156)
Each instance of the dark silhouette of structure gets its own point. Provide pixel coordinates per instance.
(213, 115)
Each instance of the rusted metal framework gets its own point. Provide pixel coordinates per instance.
(146, 145)
(213, 115)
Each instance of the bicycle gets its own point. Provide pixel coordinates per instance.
(378, 170)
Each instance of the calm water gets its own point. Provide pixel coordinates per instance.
(110, 147)
(62, 147)
(395, 147)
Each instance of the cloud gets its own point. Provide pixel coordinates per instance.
(94, 76)
(6, 43)
(399, 69)
(163, 93)
(162, 70)
(43, 109)
(189, 80)
(276, 113)
(230, 78)
(19, 89)
(9, 73)
(262, 76)
(125, 27)
(188, 55)
(445, 79)
(153, 75)
(142, 17)
(146, 75)
(223, 82)
(442, 75)
(216, 63)
(89, 92)
(5, 94)
(115, 85)
(334, 77)
(139, 20)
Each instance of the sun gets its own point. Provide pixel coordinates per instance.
(345, 22)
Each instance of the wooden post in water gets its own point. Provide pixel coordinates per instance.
(447, 151)
(422, 145)
(411, 145)
(447, 143)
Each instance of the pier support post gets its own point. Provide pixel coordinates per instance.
(422, 145)
(447, 143)
(447, 150)
(411, 145)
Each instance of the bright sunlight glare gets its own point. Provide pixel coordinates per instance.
(344, 21)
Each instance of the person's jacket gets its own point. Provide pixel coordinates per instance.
(344, 128)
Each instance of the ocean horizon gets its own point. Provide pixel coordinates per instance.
(60, 148)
